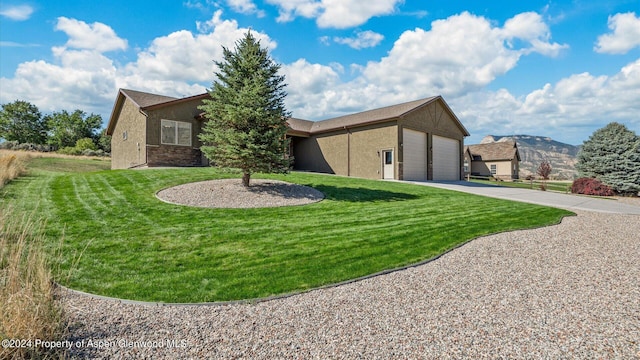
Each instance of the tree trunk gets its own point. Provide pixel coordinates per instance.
(246, 176)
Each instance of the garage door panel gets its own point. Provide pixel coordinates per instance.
(446, 158)
(414, 147)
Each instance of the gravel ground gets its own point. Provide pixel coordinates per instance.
(229, 193)
(565, 291)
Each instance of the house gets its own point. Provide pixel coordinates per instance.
(155, 130)
(500, 160)
(417, 140)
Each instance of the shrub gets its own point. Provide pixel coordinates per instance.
(591, 186)
(85, 144)
(69, 150)
(29, 310)
(9, 145)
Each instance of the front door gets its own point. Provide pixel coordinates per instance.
(387, 164)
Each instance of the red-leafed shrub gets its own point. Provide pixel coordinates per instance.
(591, 186)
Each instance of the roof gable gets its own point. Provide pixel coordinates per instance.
(300, 127)
(143, 99)
(505, 150)
(380, 115)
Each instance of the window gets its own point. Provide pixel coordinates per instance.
(493, 169)
(175, 133)
(466, 165)
(388, 157)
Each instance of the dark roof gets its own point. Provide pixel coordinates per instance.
(504, 150)
(143, 99)
(369, 117)
(298, 127)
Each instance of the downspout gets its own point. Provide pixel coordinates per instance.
(348, 150)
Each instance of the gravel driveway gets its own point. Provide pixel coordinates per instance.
(565, 291)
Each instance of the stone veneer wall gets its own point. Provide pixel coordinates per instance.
(172, 155)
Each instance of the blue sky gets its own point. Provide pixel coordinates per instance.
(550, 68)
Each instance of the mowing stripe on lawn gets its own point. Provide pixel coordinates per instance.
(137, 247)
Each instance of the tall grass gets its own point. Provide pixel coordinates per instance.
(29, 310)
(11, 166)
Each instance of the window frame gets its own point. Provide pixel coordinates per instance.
(176, 126)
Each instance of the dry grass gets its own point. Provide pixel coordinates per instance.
(11, 166)
(29, 310)
(36, 154)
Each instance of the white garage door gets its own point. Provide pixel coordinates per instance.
(446, 158)
(414, 146)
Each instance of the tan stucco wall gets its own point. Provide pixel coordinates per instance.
(366, 145)
(352, 152)
(185, 112)
(326, 153)
(132, 151)
(434, 119)
(504, 169)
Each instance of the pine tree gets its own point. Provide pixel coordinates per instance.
(247, 119)
(612, 155)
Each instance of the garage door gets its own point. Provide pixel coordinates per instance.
(446, 158)
(414, 146)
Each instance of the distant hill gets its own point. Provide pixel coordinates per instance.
(535, 149)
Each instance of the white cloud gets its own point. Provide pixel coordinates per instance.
(309, 87)
(17, 13)
(334, 13)
(625, 36)
(82, 79)
(203, 5)
(187, 57)
(15, 44)
(245, 7)
(80, 71)
(530, 27)
(363, 39)
(82, 76)
(567, 110)
(459, 54)
(96, 36)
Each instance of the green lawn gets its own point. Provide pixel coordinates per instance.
(134, 246)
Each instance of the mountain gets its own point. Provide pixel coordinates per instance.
(534, 149)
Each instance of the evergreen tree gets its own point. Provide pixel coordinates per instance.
(612, 154)
(246, 114)
(21, 121)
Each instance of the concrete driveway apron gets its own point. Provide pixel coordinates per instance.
(548, 198)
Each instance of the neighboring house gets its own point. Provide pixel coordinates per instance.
(418, 140)
(500, 160)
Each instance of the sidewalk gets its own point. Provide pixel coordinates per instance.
(548, 198)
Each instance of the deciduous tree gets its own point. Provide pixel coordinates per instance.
(544, 169)
(21, 121)
(67, 128)
(247, 118)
